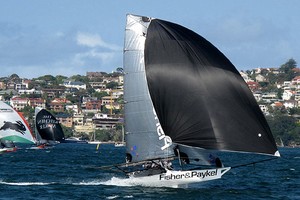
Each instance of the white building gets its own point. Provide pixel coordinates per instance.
(75, 84)
(290, 104)
(287, 94)
(264, 109)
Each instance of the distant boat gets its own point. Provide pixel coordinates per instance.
(48, 129)
(74, 140)
(122, 143)
(281, 144)
(94, 141)
(184, 102)
(13, 128)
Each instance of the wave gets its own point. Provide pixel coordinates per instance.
(113, 181)
(129, 182)
(88, 183)
(118, 182)
(117, 196)
(25, 183)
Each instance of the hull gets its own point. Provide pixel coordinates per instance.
(43, 146)
(74, 141)
(94, 142)
(9, 149)
(175, 179)
(120, 144)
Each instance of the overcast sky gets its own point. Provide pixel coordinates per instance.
(69, 37)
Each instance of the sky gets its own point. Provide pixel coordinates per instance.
(70, 37)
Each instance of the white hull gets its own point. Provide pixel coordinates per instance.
(94, 142)
(7, 149)
(120, 144)
(178, 178)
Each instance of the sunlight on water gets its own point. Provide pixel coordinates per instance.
(117, 197)
(112, 197)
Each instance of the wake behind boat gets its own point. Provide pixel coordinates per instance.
(184, 103)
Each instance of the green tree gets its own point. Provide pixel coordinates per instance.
(14, 77)
(60, 79)
(48, 78)
(111, 85)
(120, 70)
(282, 126)
(99, 95)
(83, 79)
(68, 132)
(294, 111)
(7, 96)
(288, 66)
(28, 113)
(105, 110)
(103, 135)
(287, 72)
(272, 78)
(279, 93)
(73, 98)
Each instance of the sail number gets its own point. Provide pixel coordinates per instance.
(161, 134)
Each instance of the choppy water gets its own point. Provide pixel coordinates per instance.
(67, 172)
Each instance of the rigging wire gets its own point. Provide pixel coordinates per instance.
(252, 163)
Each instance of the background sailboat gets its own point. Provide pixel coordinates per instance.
(184, 99)
(13, 127)
(122, 143)
(48, 128)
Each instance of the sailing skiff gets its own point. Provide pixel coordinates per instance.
(13, 129)
(184, 102)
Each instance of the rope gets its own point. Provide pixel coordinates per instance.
(243, 165)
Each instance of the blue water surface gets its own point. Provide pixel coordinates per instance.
(69, 171)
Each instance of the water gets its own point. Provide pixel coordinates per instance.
(68, 172)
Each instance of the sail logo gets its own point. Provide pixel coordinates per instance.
(190, 174)
(47, 123)
(18, 126)
(161, 134)
(5, 110)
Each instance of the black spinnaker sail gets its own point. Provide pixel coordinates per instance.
(200, 98)
(48, 126)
